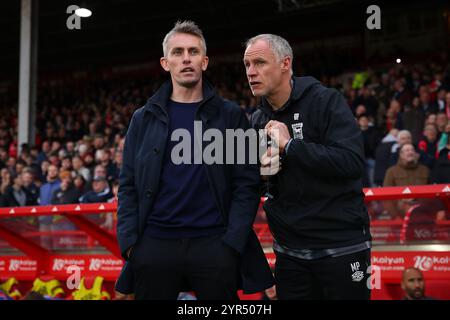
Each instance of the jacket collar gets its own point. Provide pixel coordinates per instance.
(300, 85)
(207, 108)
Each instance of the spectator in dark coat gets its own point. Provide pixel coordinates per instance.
(382, 156)
(67, 193)
(441, 170)
(371, 139)
(413, 119)
(428, 145)
(30, 186)
(100, 192)
(16, 195)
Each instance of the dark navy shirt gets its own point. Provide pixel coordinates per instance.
(184, 206)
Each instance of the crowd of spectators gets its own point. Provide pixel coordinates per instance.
(403, 111)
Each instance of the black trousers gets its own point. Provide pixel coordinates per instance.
(339, 278)
(164, 267)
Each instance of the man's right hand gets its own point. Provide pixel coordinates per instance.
(270, 163)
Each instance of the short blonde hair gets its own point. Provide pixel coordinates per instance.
(188, 27)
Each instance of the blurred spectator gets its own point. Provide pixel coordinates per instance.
(89, 162)
(53, 183)
(99, 141)
(386, 154)
(441, 170)
(407, 171)
(367, 99)
(66, 163)
(80, 183)
(19, 166)
(428, 145)
(400, 93)
(413, 119)
(80, 169)
(67, 193)
(44, 171)
(371, 138)
(440, 100)
(54, 159)
(403, 137)
(447, 105)
(442, 140)
(392, 116)
(45, 151)
(441, 122)
(11, 164)
(16, 195)
(70, 149)
(426, 104)
(110, 168)
(430, 119)
(46, 193)
(5, 176)
(360, 109)
(413, 284)
(3, 157)
(117, 163)
(100, 191)
(28, 183)
(100, 171)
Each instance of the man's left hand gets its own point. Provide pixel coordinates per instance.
(276, 129)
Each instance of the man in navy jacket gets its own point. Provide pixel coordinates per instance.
(186, 226)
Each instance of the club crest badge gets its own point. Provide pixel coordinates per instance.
(297, 129)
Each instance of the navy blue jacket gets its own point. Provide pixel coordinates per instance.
(234, 187)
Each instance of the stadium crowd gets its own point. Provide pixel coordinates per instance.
(403, 111)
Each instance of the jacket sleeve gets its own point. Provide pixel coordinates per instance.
(340, 154)
(244, 197)
(127, 208)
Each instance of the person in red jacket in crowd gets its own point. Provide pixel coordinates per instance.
(428, 145)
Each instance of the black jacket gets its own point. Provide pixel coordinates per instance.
(235, 187)
(71, 195)
(9, 200)
(318, 203)
(441, 170)
(383, 155)
(33, 191)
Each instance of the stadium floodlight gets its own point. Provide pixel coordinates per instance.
(398, 60)
(83, 12)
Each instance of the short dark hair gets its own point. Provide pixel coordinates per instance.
(363, 115)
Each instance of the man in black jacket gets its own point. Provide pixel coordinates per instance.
(16, 195)
(187, 226)
(315, 207)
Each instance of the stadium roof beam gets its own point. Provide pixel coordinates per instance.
(27, 71)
